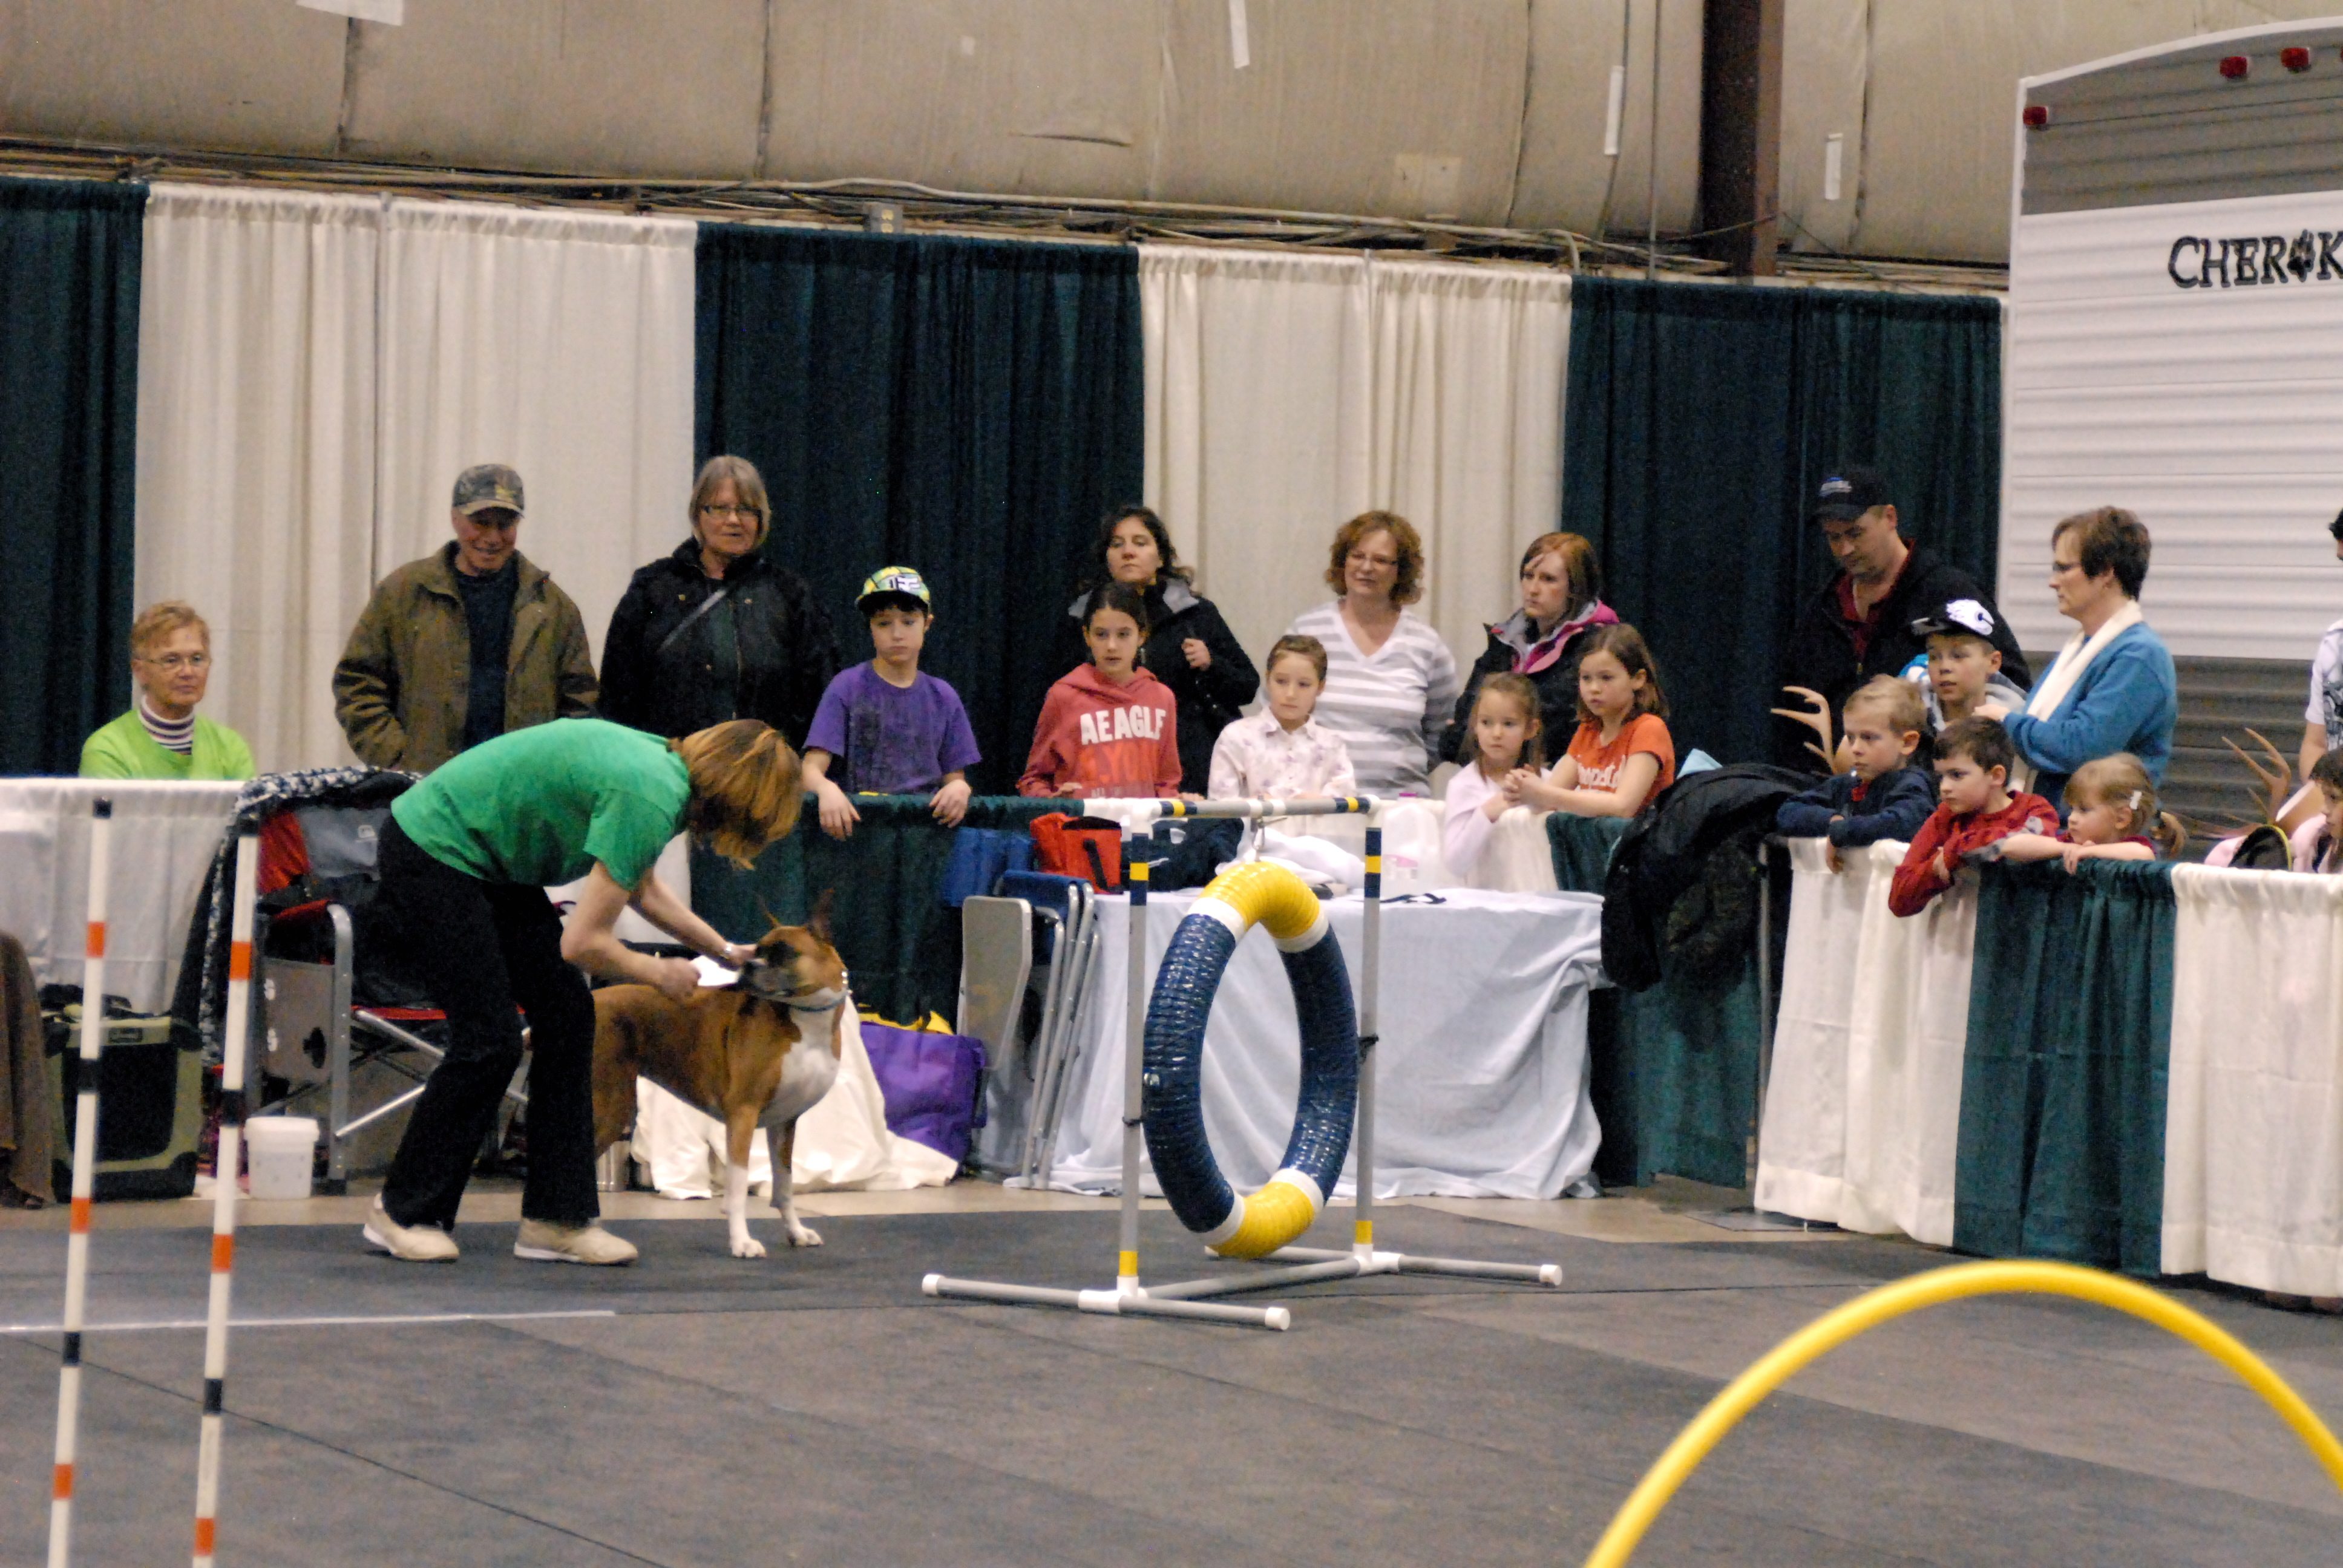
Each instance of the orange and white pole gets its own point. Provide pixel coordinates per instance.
(226, 1169)
(84, 1068)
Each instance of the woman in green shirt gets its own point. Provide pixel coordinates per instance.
(161, 737)
(465, 861)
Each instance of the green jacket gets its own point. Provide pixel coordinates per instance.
(123, 749)
(401, 687)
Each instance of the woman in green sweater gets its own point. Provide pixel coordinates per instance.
(161, 737)
(465, 859)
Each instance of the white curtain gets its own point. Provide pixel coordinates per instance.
(1287, 392)
(256, 445)
(1863, 1111)
(559, 343)
(2253, 1148)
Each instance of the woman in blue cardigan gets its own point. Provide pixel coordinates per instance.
(2113, 688)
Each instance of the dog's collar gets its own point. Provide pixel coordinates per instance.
(814, 1002)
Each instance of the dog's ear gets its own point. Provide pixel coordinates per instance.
(818, 922)
(772, 921)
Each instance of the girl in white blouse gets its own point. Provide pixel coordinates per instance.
(1283, 752)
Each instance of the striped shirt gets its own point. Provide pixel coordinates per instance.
(171, 734)
(1391, 710)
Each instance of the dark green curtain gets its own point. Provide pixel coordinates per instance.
(969, 408)
(1672, 1070)
(1699, 419)
(69, 259)
(900, 944)
(2063, 1093)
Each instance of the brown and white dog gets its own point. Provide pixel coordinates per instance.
(758, 1053)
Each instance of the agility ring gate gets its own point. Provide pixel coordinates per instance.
(1162, 1051)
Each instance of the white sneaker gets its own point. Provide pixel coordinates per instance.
(543, 1241)
(413, 1243)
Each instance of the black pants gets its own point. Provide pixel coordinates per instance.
(482, 949)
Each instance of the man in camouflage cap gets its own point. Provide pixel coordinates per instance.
(470, 641)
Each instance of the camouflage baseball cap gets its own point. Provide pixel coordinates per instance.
(486, 485)
(892, 582)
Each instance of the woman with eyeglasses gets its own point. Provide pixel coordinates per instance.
(716, 631)
(161, 735)
(1391, 682)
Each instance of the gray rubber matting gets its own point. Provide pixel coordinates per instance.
(814, 1408)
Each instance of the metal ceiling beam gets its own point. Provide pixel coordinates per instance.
(1741, 133)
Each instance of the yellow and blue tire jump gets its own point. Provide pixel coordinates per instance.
(1172, 1101)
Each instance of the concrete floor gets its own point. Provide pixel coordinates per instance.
(815, 1408)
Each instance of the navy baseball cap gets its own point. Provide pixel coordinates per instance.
(1847, 494)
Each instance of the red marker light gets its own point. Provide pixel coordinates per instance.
(2296, 59)
(2037, 116)
(2235, 66)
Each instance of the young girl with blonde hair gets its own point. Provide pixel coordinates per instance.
(1506, 736)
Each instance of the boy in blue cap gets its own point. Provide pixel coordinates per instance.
(895, 731)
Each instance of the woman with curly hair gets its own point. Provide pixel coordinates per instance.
(1391, 682)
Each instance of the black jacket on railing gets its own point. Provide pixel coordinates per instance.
(663, 675)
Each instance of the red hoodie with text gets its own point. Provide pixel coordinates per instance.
(1917, 882)
(1115, 742)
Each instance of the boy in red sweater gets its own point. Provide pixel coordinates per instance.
(1973, 761)
(1109, 729)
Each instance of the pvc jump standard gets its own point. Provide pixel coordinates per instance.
(1288, 1198)
(85, 1067)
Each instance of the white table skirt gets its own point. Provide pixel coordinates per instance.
(1863, 1110)
(163, 839)
(2253, 1148)
(1482, 1069)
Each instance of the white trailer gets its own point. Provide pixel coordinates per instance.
(2175, 345)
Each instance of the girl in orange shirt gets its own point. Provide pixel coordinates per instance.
(1622, 756)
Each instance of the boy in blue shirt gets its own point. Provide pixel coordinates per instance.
(1882, 796)
(895, 731)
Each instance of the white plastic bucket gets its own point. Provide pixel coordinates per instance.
(279, 1152)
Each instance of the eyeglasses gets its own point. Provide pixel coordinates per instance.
(1360, 558)
(176, 662)
(734, 511)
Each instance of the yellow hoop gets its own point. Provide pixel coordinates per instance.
(1937, 1286)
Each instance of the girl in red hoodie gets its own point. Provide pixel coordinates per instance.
(1109, 729)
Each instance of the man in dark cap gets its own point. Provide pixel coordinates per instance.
(1861, 624)
(470, 641)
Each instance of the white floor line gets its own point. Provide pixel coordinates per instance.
(310, 1322)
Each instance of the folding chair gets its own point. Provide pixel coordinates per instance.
(322, 1015)
(1064, 907)
(995, 969)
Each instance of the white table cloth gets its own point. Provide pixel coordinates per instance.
(1482, 1069)
(1863, 1108)
(164, 837)
(2253, 1146)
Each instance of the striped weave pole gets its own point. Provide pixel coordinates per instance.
(84, 1071)
(225, 1168)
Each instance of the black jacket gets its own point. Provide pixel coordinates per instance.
(1821, 654)
(1208, 698)
(1681, 884)
(1557, 689)
(656, 679)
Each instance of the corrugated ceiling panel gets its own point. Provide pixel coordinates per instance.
(1404, 108)
(241, 76)
(1826, 53)
(1573, 45)
(2213, 413)
(632, 86)
(1049, 97)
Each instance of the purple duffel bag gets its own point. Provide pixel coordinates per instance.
(933, 1084)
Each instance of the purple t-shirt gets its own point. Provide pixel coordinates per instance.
(890, 740)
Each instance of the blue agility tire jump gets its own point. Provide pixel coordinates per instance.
(1171, 1075)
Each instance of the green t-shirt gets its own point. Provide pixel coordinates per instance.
(540, 806)
(123, 749)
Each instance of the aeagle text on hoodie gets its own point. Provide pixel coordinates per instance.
(1114, 741)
